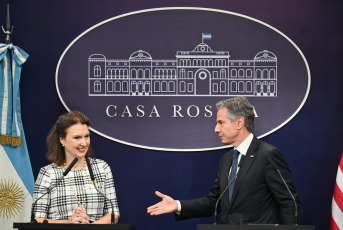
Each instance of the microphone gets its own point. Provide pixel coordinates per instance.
(90, 172)
(215, 215)
(70, 167)
(33, 220)
(289, 191)
(94, 183)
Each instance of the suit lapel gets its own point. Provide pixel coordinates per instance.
(249, 158)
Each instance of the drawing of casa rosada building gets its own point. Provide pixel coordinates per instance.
(193, 73)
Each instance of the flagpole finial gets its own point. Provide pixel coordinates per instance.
(8, 30)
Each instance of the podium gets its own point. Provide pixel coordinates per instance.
(34, 226)
(254, 227)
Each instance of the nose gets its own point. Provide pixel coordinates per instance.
(83, 142)
(216, 129)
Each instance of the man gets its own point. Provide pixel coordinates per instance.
(258, 195)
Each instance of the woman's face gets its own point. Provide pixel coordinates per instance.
(76, 142)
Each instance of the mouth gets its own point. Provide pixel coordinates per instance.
(82, 150)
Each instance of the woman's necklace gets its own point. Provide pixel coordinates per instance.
(84, 185)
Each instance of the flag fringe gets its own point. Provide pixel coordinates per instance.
(9, 140)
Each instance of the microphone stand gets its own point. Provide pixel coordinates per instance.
(96, 188)
(289, 191)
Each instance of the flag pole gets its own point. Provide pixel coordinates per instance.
(8, 30)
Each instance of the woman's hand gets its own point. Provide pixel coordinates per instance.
(79, 216)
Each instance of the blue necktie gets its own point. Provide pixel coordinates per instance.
(233, 172)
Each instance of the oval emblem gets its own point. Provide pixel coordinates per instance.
(151, 78)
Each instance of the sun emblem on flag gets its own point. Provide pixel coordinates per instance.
(11, 198)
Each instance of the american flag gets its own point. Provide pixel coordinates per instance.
(336, 221)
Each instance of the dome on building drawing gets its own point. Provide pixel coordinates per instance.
(202, 47)
(265, 55)
(97, 57)
(140, 55)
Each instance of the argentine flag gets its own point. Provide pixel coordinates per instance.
(206, 36)
(16, 177)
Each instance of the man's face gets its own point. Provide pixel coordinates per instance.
(226, 129)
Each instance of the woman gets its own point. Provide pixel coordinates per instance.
(75, 199)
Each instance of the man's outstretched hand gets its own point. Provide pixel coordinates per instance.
(167, 205)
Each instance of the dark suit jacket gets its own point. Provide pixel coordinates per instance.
(259, 196)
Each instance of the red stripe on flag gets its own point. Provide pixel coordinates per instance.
(333, 225)
(337, 199)
(338, 196)
(341, 164)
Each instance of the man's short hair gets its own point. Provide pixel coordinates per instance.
(239, 107)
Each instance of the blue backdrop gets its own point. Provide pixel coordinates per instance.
(311, 142)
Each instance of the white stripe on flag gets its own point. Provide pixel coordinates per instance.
(3, 49)
(17, 124)
(336, 206)
(337, 214)
(15, 98)
(5, 99)
(21, 58)
(9, 176)
(206, 36)
(339, 178)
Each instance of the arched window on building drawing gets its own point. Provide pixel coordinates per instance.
(157, 73)
(133, 73)
(258, 87)
(97, 71)
(97, 86)
(182, 86)
(222, 86)
(171, 86)
(109, 73)
(265, 87)
(249, 73)
(272, 74)
(241, 87)
(174, 73)
(117, 86)
(258, 74)
(109, 86)
(182, 73)
(265, 74)
(272, 87)
(249, 87)
(157, 86)
(241, 73)
(215, 87)
(233, 86)
(233, 73)
(125, 87)
(147, 73)
(222, 73)
(164, 86)
(140, 73)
